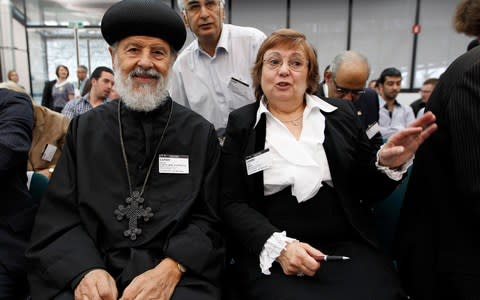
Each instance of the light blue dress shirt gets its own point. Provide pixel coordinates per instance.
(204, 83)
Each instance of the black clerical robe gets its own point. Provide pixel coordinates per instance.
(76, 228)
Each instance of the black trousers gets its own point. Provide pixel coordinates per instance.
(321, 222)
(13, 283)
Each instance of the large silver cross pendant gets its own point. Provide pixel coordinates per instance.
(133, 211)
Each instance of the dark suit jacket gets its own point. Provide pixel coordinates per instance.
(367, 109)
(350, 156)
(417, 105)
(17, 208)
(47, 99)
(440, 219)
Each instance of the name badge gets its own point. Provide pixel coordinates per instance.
(258, 161)
(372, 130)
(49, 152)
(173, 164)
(239, 87)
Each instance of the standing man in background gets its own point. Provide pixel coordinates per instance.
(212, 74)
(393, 116)
(82, 78)
(439, 243)
(418, 106)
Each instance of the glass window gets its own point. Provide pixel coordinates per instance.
(61, 13)
(50, 47)
(438, 43)
(382, 31)
(265, 15)
(324, 23)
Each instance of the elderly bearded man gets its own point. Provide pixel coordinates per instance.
(131, 208)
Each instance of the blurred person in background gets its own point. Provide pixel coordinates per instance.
(63, 90)
(101, 85)
(426, 90)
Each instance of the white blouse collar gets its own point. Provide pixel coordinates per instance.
(312, 102)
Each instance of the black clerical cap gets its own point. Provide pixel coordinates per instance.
(143, 17)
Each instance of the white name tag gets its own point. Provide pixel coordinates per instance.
(173, 164)
(49, 152)
(258, 161)
(372, 130)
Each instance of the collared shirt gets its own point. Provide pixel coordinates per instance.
(79, 86)
(399, 118)
(303, 164)
(214, 86)
(77, 107)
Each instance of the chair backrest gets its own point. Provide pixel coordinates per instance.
(38, 185)
(387, 213)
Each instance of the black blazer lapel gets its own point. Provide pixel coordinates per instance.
(333, 144)
(258, 135)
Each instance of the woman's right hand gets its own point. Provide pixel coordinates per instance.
(299, 259)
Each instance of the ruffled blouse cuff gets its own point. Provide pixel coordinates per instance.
(272, 249)
(394, 174)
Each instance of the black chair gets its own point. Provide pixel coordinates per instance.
(37, 185)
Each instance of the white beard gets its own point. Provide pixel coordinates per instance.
(146, 97)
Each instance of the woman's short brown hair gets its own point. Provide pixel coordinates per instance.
(467, 17)
(292, 39)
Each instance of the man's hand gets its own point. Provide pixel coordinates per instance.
(157, 283)
(299, 259)
(97, 284)
(401, 146)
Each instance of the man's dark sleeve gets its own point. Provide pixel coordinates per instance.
(16, 123)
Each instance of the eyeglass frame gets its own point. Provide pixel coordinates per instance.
(195, 10)
(295, 69)
(344, 91)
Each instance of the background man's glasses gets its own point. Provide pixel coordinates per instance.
(341, 91)
(195, 7)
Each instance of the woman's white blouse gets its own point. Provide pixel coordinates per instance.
(301, 164)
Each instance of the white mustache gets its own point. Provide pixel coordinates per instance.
(139, 71)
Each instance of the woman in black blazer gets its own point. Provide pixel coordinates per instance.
(299, 174)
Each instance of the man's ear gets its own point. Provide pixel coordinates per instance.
(328, 76)
(185, 19)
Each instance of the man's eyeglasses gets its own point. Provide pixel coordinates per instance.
(195, 6)
(274, 62)
(341, 91)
